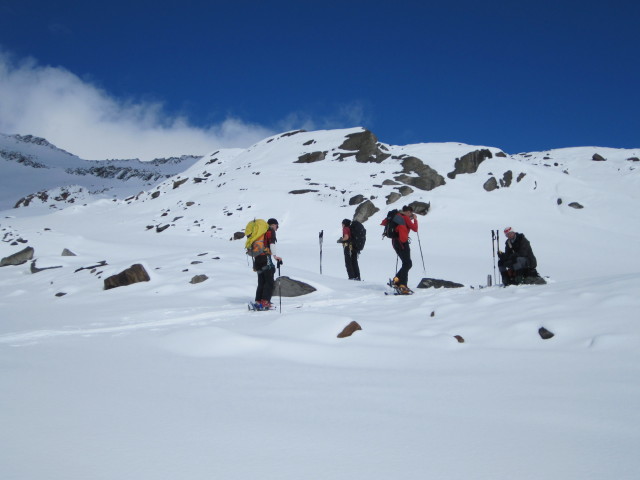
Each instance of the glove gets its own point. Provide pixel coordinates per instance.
(339, 240)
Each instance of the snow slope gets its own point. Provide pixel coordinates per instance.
(166, 379)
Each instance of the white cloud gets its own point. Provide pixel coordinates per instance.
(352, 114)
(53, 103)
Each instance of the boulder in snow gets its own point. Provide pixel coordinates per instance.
(18, 258)
(545, 334)
(349, 330)
(286, 287)
(470, 162)
(436, 283)
(490, 184)
(198, 279)
(134, 274)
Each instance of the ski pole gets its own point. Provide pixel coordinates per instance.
(280, 285)
(498, 248)
(397, 260)
(493, 247)
(421, 255)
(320, 236)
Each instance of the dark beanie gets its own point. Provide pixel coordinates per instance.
(272, 221)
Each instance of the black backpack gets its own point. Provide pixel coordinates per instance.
(358, 235)
(393, 220)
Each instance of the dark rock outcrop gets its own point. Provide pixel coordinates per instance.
(598, 158)
(134, 274)
(18, 258)
(177, 183)
(507, 178)
(427, 178)
(470, 162)
(349, 330)
(101, 263)
(356, 199)
(35, 269)
(286, 287)
(300, 192)
(393, 197)
(365, 211)
(366, 148)
(405, 190)
(420, 208)
(545, 334)
(490, 184)
(390, 182)
(25, 201)
(311, 157)
(291, 133)
(436, 283)
(199, 279)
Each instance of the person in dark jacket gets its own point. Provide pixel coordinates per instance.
(264, 267)
(517, 261)
(350, 252)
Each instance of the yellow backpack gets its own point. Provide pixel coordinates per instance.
(254, 232)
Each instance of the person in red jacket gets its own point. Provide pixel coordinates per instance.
(406, 222)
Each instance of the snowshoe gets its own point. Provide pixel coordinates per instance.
(260, 306)
(399, 289)
(404, 290)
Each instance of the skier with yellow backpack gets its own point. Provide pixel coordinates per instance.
(260, 246)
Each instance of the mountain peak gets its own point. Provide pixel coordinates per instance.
(32, 139)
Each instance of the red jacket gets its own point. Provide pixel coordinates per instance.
(403, 230)
(269, 239)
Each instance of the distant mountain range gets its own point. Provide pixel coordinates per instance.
(32, 166)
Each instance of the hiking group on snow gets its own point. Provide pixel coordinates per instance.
(517, 263)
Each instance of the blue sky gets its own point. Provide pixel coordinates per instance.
(521, 76)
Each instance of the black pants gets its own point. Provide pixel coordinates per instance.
(513, 269)
(265, 284)
(404, 253)
(351, 262)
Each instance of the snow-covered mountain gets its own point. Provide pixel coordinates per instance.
(170, 378)
(35, 170)
(325, 176)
